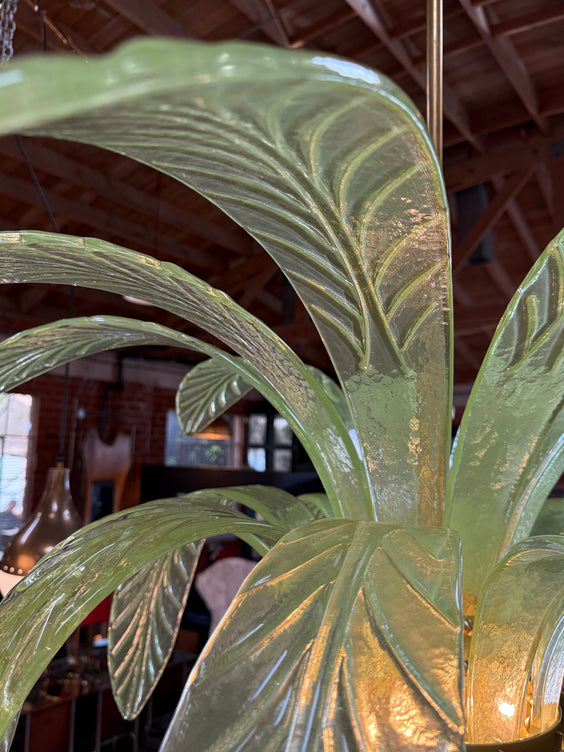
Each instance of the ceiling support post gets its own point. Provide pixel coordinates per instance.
(435, 74)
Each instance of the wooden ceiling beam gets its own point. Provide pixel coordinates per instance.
(500, 277)
(508, 60)
(520, 223)
(134, 234)
(264, 16)
(241, 274)
(454, 49)
(463, 351)
(148, 17)
(302, 332)
(256, 286)
(529, 21)
(329, 23)
(124, 194)
(401, 32)
(524, 231)
(470, 319)
(270, 301)
(557, 175)
(453, 110)
(58, 38)
(31, 298)
(464, 250)
(496, 162)
(544, 180)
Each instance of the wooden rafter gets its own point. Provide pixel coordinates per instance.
(148, 17)
(504, 68)
(123, 194)
(472, 240)
(263, 14)
(107, 223)
(508, 60)
(529, 21)
(520, 223)
(453, 110)
(500, 161)
(317, 29)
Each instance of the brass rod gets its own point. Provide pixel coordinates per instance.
(435, 74)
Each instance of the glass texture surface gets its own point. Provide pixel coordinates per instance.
(282, 431)
(315, 635)
(206, 392)
(269, 365)
(6, 739)
(144, 621)
(348, 635)
(513, 425)
(274, 505)
(518, 624)
(81, 571)
(258, 424)
(329, 166)
(550, 519)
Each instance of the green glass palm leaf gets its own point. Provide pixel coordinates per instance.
(316, 652)
(211, 388)
(518, 624)
(271, 365)
(36, 351)
(146, 610)
(275, 505)
(513, 425)
(7, 738)
(144, 622)
(318, 503)
(206, 392)
(328, 166)
(78, 573)
(550, 520)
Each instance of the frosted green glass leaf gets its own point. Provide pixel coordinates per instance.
(144, 622)
(550, 520)
(206, 392)
(270, 364)
(35, 351)
(520, 613)
(510, 447)
(317, 650)
(62, 589)
(318, 503)
(273, 504)
(211, 388)
(336, 395)
(7, 738)
(328, 165)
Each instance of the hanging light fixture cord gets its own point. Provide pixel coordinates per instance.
(64, 406)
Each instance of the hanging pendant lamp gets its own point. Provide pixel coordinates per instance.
(55, 519)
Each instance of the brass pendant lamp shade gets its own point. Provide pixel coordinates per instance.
(218, 430)
(55, 519)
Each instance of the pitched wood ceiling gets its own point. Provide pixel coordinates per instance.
(504, 132)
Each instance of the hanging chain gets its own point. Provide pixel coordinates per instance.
(7, 28)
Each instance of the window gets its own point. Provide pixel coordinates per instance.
(195, 451)
(15, 440)
(270, 443)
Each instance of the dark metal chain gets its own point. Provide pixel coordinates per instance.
(7, 28)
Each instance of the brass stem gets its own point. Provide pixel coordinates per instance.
(435, 74)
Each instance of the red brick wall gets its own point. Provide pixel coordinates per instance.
(135, 408)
